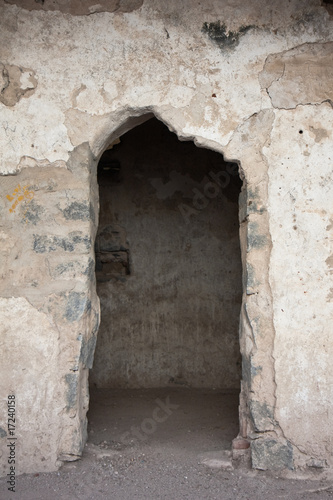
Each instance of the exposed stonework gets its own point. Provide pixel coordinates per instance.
(264, 102)
(258, 404)
(58, 282)
(271, 454)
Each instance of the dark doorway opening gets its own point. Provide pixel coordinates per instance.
(168, 271)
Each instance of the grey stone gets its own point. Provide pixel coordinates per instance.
(44, 243)
(317, 463)
(33, 213)
(77, 305)
(255, 240)
(90, 269)
(251, 281)
(87, 351)
(72, 389)
(270, 454)
(249, 370)
(262, 416)
(77, 211)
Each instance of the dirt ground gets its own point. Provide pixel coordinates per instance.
(163, 444)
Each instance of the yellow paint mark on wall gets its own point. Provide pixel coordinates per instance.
(19, 194)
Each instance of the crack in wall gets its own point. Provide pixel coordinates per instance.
(285, 75)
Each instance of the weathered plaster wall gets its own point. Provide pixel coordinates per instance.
(49, 311)
(175, 317)
(301, 196)
(71, 84)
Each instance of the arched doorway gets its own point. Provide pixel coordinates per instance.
(168, 271)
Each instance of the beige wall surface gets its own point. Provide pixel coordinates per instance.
(251, 81)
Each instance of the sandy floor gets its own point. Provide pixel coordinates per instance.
(162, 444)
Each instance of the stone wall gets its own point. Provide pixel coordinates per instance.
(250, 81)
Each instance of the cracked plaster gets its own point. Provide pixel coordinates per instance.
(302, 75)
(101, 74)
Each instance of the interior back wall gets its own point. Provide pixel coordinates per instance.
(168, 264)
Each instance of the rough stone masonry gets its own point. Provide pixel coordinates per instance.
(250, 80)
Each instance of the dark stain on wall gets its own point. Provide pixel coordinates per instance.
(219, 34)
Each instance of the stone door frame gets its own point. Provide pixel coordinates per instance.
(258, 425)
